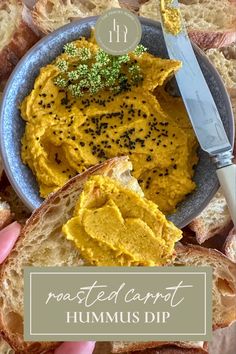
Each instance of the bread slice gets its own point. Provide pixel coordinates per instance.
(5, 214)
(224, 59)
(42, 244)
(230, 245)
(49, 15)
(224, 280)
(19, 211)
(16, 37)
(210, 23)
(171, 350)
(167, 349)
(153, 347)
(224, 341)
(214, 220)
(5, 348)
(223, 294)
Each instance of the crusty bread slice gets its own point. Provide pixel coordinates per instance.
(170, 350)
(224, 59)
(16, 37)
(50, 15)
(223, 293)
(5, 215)
(153, 347)
(214, 220)
(19, 211)
(230, 245)
(5, 348)
(42, 244)
(210, 23)
(224, 280)
(224, 341)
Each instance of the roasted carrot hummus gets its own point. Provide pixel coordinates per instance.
(114, 226)
(88, 106)
(171, 17)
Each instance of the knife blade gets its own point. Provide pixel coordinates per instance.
(195, 93)
(201, 109)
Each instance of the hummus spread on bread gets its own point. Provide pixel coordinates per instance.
(114, 226)
(68, 131)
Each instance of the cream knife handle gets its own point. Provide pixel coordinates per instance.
(227, 178)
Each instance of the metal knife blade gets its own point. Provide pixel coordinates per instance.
(198, 100)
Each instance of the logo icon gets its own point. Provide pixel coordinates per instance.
(118, 31)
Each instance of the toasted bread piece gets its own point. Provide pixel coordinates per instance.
(19, 211)
(155, 347)
(224, 341)
(223, 293)
(230, 245)
(16, 37)
(210, 23)
(170, 350)
(5, 348)
(50, 15)
(224, 59)
(214, 220)
(42, 244)
(5, 214)
(224, 280)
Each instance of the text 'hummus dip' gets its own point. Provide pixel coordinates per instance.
(88, 106)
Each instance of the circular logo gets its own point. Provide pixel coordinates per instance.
(118, 31)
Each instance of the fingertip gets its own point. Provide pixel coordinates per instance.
(76, 348)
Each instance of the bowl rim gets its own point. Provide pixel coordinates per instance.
(46, 39)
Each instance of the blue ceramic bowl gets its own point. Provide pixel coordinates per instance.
(45, 51)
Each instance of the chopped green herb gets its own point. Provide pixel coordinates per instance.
(84, 54)
(71, 49)
(75, 90)
(139, 50)
(102, 58)
(60, 81)
(62, 65)
(101, 70)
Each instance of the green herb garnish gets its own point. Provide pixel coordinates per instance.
(91, 72)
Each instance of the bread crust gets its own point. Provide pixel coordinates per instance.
(22, 39)
(217, 257)
(230, 245)
(155, 347)
(171, 350)
(16, 341)
(212, 39)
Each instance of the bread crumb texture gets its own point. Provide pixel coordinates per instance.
(50, 15)
(199, 14)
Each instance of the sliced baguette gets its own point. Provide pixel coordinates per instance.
(170, 350)
(16, 37)
(223, 293)
(230, 245)
(50, 15)
(19, 211)
(224, 59)
(224, 280)
(153, 347)
(42, 244)
(5, 214)
(210, 23)
(214, 220)
(5, 348)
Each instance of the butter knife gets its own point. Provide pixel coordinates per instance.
(202, 110)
